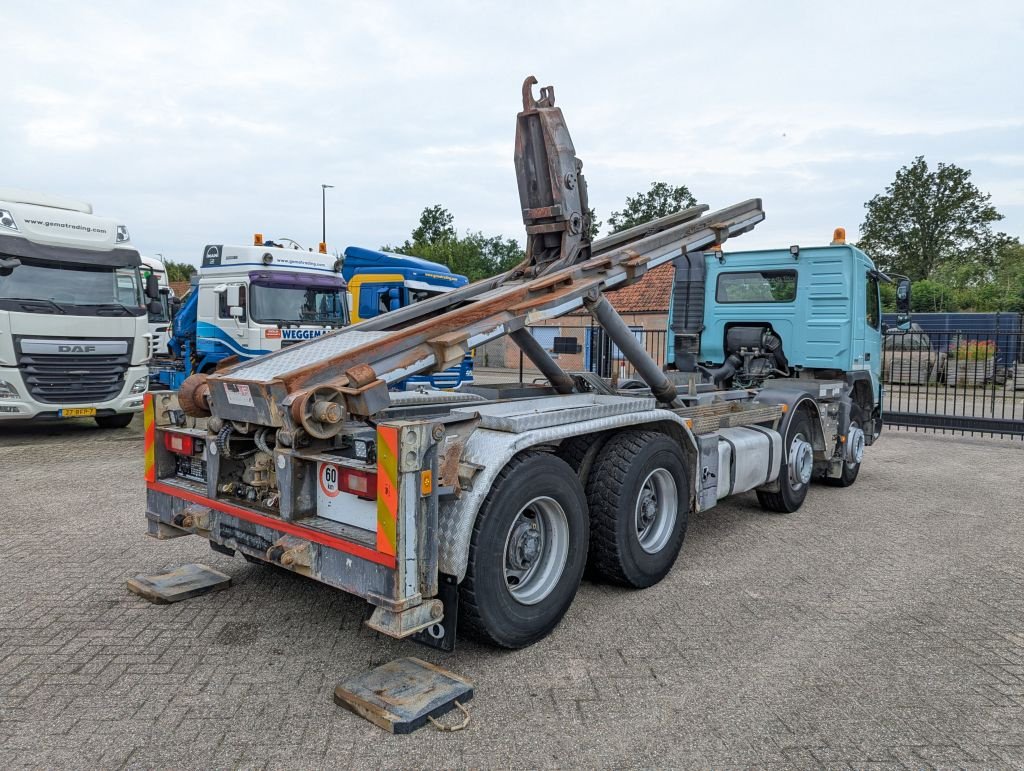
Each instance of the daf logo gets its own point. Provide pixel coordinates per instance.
(76, 348)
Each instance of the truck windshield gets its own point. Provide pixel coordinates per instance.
(272, 303)
(74, 285)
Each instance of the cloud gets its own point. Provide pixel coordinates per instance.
(201, 122)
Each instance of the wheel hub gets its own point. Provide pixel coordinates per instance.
(536, 550)
(801, 461)
(656, 511)
(648, 509)
(854, 445)
(525, 546)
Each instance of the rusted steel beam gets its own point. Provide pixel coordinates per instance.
(558, 273)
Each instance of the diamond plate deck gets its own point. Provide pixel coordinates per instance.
(267, 368)
(528, 414)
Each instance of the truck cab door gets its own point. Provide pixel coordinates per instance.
(374, 299)
(873, 325)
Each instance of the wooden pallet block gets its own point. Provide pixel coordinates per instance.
(403, 694)
(179, 584)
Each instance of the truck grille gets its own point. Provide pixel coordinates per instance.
(71, 378)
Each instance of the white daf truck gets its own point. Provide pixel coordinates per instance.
(74, 332)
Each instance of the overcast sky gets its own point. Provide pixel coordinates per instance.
(203, 122)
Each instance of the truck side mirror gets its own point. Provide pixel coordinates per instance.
(152, 287)
(154, 307)
(903, 305)
(236, 312)
(232, 296)
(175, 306)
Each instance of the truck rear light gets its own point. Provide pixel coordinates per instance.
(180, 444)
(362, 484)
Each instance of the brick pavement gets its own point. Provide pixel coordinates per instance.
(879, 626)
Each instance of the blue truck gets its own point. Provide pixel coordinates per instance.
(247, 301)
(380, 282)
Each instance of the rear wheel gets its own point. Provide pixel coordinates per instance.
(795, 474)
(114, 421)
(639, 496)
(526, 554)
(855, 446)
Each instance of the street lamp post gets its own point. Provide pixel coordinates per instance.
(323, 195)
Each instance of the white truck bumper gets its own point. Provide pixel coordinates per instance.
(23, 407)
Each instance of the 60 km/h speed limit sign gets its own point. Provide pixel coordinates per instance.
(329, 479)
(338, 501)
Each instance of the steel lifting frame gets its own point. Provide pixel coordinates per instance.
(347, 372)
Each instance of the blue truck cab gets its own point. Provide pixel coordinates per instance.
(379, 282)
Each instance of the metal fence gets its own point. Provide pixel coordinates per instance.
(960, 382)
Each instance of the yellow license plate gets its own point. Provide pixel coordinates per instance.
(77, 412)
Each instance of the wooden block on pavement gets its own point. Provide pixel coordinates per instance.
(179, 584)
(400, 695)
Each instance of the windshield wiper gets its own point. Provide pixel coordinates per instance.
(125, 310)
(50, 303)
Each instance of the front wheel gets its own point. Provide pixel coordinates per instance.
(526, 554)
(854, 446)
(114, 421)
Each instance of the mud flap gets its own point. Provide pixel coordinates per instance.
(442, 634)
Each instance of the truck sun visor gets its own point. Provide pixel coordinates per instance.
(15, 246)
(292, 280)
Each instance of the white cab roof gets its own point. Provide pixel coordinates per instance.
(16, 195)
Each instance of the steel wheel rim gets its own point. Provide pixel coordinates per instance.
(536, 550)
(854, 436)
(657, 507)
(801, 461)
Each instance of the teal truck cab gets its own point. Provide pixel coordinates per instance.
(758, 319)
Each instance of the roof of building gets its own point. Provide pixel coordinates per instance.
(180, 288)
(651, 294)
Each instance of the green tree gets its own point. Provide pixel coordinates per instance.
(662, 199)
(927, 220)
(927, 296)
(595, 224)
(473, 255)
(179, 271)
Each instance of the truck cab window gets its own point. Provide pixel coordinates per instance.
(224, 311)
(757, 286)
(874, 314)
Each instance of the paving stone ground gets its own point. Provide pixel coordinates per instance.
(880, 626)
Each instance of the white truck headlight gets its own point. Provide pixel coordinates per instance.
(122, 234)
(141, 385)
(8, 391)
(7, 221)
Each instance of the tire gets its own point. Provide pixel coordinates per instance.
(639, 494)
(792, 493)
(526, 554)
(580, 452)
(850, 470)
(114, 421)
